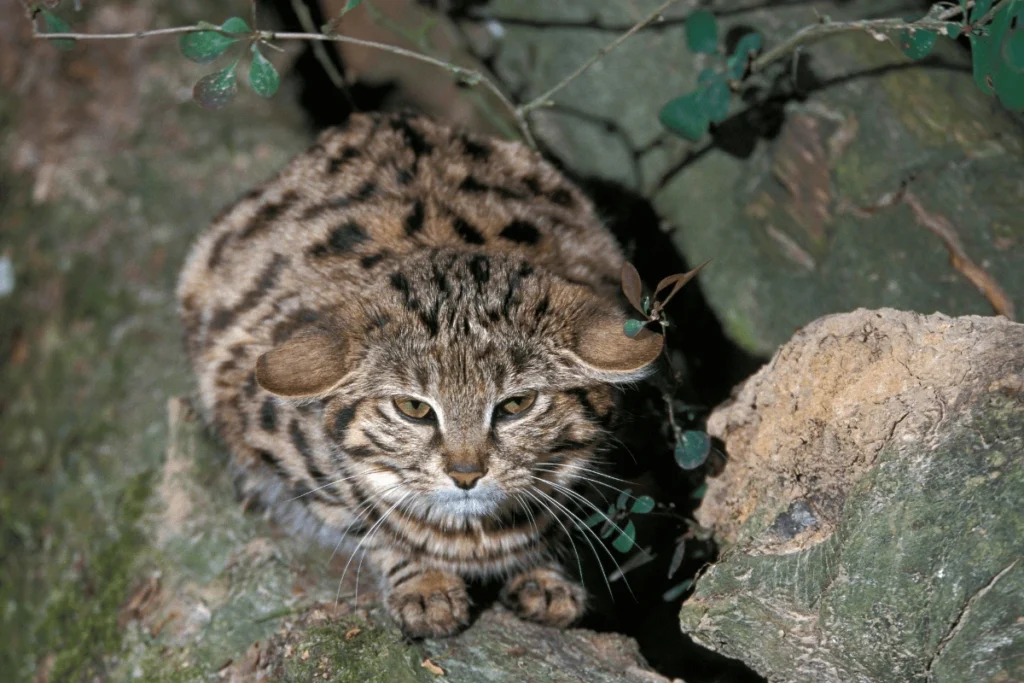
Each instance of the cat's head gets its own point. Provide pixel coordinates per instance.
(461, 380)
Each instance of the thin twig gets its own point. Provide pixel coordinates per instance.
(320, 52)
(816, 32)
(420, 37)
(150, 33)
(467, 76)
(470, 77)
(544, 99)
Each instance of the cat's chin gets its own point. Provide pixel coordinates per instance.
(465, 504)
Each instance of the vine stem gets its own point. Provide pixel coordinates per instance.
(826, 28)
(468, 76)
(544, 99)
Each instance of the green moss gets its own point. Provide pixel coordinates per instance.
(376, 654)
(81, 619)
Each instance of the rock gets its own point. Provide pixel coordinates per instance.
(870, 505)
(123, 550)
(786, 200)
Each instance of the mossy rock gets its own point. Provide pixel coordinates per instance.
(870, 505)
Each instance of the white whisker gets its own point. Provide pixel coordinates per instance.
(580, 524)
(365, 538)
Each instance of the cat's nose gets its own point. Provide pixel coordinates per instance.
(465, 476)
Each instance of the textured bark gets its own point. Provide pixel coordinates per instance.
(870, 505)
(123, 552)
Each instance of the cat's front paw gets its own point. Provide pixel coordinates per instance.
(432, 604)
(545, 596)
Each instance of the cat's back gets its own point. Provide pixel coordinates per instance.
(365, 196)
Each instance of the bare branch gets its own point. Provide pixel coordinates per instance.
(816, 32)
(470, 77)
(544, 99)
(306, 20)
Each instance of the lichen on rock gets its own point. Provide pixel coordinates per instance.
(870, 505)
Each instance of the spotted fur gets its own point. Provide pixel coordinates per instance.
(397, 257)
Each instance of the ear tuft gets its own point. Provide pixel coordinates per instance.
(610, 355)
(309, 364)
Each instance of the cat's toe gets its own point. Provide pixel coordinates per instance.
(545, 596)
(433, 604)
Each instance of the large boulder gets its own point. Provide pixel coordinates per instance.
(123, 552)
(870, 505)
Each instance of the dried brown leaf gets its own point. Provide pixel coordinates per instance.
(676, 282)
(632, 286)
(431, 667)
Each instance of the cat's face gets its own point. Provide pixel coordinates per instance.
(467, 426)
(475, 379)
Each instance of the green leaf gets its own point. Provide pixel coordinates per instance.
(594, 519)
(262, 75)
(677, 590)
(954, 30)
(917, 43)
(623, 500)
(713, 96)
(692, 449)
(236, 25)
(216, 90)
(685, 116)
(349, 6)
(749, 45)
(205, 46)
(994, 73)
(983, 62)
(1013, 50)
(699, 492)
(54, 24)
(624, 543)
(1009, 87)
(702, 32)
(632, 327)
(645, 305)
(981, 8)
(642, 505)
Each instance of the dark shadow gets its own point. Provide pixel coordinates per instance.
(711, 366)
(324, 103)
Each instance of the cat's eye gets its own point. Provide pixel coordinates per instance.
(517, 404)
(414, 408)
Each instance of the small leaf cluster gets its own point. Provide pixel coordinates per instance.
(691, 115)
(692, 446)
(997, 49)
(651, 306)
(610, 521)
(216, 90)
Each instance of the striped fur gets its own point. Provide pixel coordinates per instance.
(398, 257)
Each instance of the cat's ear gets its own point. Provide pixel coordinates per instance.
(607, 354)
(311, 363)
